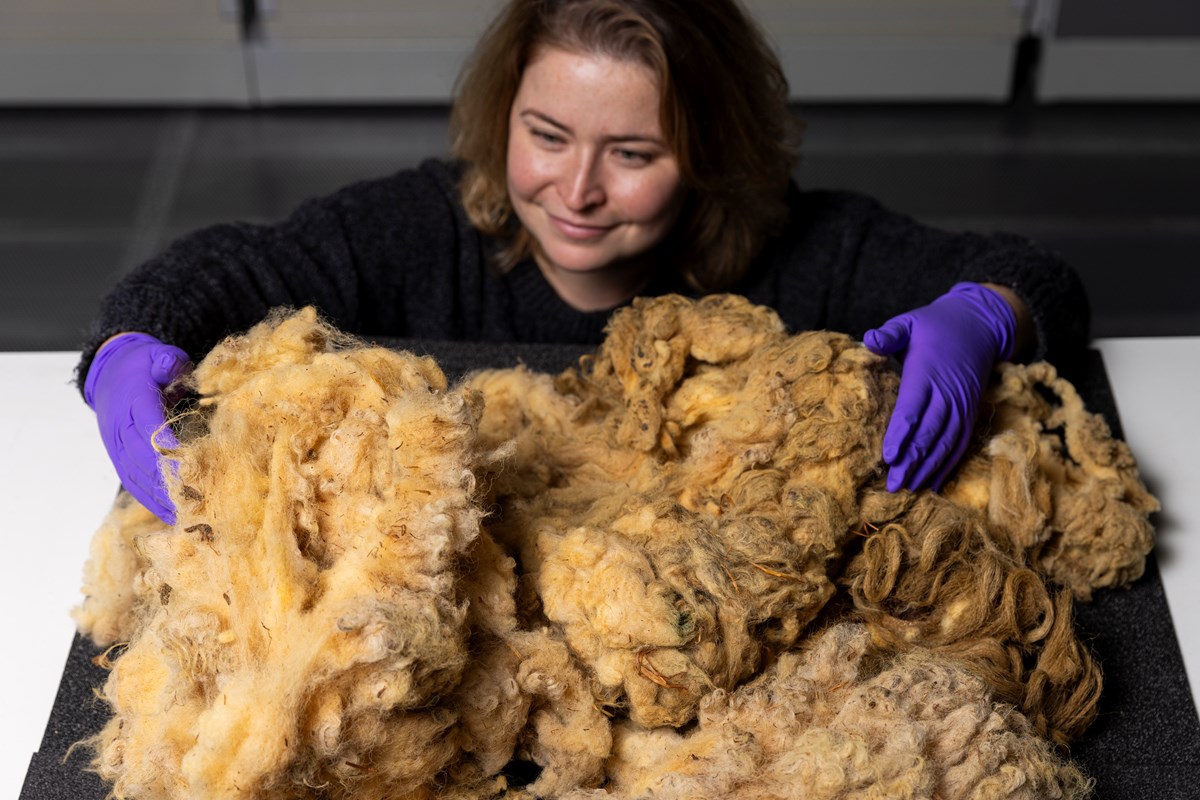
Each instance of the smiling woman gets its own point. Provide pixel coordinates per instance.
(692, 86)
(589, 174)
(602, 149)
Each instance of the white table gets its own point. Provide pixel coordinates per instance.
(1156, 382)
(56, 484)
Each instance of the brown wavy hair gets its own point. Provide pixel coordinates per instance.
(724, 115)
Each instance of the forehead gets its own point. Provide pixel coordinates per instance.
(590, 87)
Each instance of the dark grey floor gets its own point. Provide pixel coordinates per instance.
(87, 194)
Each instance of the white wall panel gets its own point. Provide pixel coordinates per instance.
(1110, 50)
(411, 50)
(898, 69)
(375, 20)
(121, 51)
(953, 19)
(1108, 69)
(357, 71)
(149, 21)
(125, 74)
(332, 51)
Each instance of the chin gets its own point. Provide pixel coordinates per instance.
(571, 259)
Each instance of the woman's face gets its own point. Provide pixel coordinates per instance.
(589, 172)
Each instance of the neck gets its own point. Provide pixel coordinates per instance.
(596, 290)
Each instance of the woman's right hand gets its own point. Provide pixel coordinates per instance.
(124, 387)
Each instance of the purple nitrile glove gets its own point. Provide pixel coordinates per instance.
(124, 387)
(949, 348)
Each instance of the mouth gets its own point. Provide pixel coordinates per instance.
(577, 231)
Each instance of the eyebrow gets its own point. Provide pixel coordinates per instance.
(549, 120)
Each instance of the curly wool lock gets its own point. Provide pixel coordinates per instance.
(932, 577)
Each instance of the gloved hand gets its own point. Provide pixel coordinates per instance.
(949, 348)
(124, 387)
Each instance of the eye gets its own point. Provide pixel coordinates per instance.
(545, 137)
(633, 157)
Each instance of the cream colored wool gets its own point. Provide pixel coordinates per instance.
(839, 721)
(304, 627)
(679, 505)
(115, 598)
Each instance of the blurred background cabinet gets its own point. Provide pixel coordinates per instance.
(319, 51)
(895, 50)
(411, 50)
(1117, 50)
(325, 52)
(121, 51)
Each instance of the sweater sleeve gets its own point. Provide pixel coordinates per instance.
(356, 255)
(864, 264)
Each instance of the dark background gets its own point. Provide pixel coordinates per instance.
(86, 194)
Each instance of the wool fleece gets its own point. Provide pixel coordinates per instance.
(326, 617)
(838, 720)
(679, 504)
(655, 573)
(688, 500)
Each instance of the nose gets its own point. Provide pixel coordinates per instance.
(582, 184)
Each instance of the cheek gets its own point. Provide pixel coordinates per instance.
(525, 172)
(652, 198)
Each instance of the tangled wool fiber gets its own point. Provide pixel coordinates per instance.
(1055, 485)
(679, 504)
(841, 720)
(683, 503)
(933, 578)
(116, 598)
(306, 625)
(1048, 504)
(381, 586)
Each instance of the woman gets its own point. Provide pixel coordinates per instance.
(604, 149)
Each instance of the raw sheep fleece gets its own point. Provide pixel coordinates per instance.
(672, 571)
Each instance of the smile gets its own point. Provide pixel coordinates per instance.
(573, 230)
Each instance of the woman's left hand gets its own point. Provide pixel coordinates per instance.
(948, 349)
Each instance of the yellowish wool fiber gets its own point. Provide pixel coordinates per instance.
(841, 720)
(307, 629)
(114, 596)
(679, 503)
(1056, 484)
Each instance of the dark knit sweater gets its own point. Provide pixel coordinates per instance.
(397, 257)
